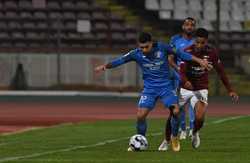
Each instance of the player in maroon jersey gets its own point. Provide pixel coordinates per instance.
(194, 80)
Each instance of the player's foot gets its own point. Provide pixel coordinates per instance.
(196, 140)
(130, 149)
(163, 146)
(183, 135)
(190, 134)
(175, 144)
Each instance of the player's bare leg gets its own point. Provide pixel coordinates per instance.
(200, 109)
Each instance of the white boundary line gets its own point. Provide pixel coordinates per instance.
(228, 119)
(34, 128)
(63, 150)
(98, 144)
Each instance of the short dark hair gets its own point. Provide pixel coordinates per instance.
(144, 37)
(189, 19)
(201, 32)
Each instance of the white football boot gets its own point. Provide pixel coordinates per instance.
(196, 140)
(183, 135)
(163, 146)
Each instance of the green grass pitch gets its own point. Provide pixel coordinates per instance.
(222, 141)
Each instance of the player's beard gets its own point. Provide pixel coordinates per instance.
(189, 33)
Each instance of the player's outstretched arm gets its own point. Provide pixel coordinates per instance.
(202, 62)
(116, 62)
(221, 72)
(189, 57)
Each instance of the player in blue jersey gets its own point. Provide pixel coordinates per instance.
(181, 41)
(178, 42)
(152, 57)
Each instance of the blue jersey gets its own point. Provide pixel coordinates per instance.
(155, 67)
(178, 42)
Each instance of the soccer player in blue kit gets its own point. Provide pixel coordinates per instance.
(152, 57)
(179, 42)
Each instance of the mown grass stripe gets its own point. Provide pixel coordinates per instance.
(99, 143)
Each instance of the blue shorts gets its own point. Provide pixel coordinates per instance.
(149, 97)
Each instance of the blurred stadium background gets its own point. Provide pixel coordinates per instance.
(48, 51)
(54, 44)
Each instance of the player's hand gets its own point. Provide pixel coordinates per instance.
(100, 68)
(234, 96)
(188, 85)
(210, 67)
(204, 64)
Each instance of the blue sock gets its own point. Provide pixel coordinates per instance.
(191, 117)
(183, 119)
(141, 127)
(174, 125)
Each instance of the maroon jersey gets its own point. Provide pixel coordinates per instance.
(198, 76)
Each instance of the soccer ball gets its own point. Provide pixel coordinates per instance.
(138, 142)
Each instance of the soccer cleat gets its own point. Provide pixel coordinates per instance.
(196, 140)
(175, 144)
(163, 146)
(183, 135)
(130, 149)
(190, 133)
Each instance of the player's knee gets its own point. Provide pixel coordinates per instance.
(199, 118)
(141, 118)
(175, 111)
(199, 112)
(141, 115)
(176, 115)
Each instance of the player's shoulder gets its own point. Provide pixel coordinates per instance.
(132, 53)
(175, 37)
(164, 47)
(161, 44)
(211, 49)
(189, 48)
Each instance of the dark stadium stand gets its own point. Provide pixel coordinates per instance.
(32, 24)
(167, 15)
(77, 25)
